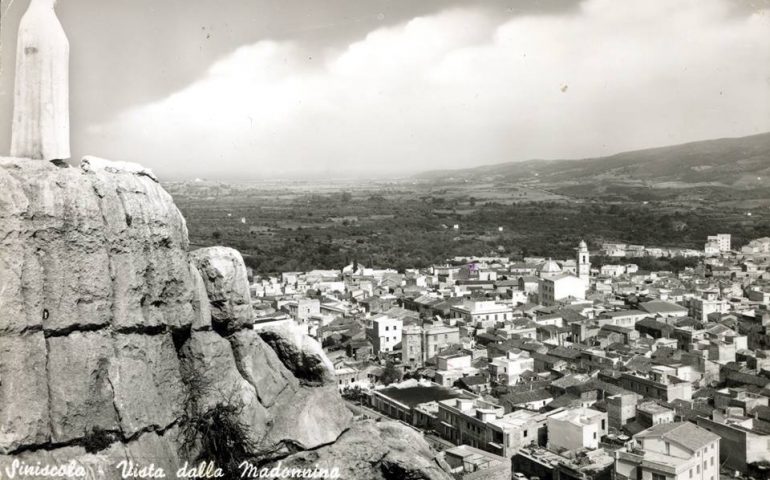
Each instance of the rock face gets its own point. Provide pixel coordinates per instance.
(227, 286)
(385, 451)
(109, 327)
(302, 355)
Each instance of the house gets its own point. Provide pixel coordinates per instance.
(527, 400)
(560, 287)
(576, 428)
(480, 313)
(657, 385)
(468, 463)
(474, 383)
(670, 451)
(384, 332)
(403, 400)
(485, 425)
(663, 309)
(742, 444)
(348, 377)
(452, 367)
(508, 369)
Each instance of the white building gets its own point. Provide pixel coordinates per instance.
(478, 312)
(555, 288)
(670, 451)
(509, 368)
(722, 240)
(576, 428)
(385, 333)
(612, 270)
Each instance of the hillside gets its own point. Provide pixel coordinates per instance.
(739, 162)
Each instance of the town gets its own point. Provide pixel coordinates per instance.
(554, 369)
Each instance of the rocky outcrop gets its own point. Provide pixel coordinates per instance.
(227, 286)
(374, 450)
(113, 337)
(302, 355)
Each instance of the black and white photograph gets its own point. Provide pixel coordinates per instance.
(385, 239)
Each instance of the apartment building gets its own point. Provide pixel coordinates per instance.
(670, 451)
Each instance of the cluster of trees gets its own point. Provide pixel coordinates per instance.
(410, 233)
(673, 264)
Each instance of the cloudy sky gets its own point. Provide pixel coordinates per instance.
(250, 89)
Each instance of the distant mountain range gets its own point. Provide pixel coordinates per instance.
(738, 162)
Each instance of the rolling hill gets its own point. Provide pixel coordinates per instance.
(736, 162)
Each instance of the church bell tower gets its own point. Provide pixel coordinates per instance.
(583, 262)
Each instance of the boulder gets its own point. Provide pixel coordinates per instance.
(261, 367)
(81, 250)
(308, 419)
(213, 379)
(227, 286)
(301, 354)
(374, 450)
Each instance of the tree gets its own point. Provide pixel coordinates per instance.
(390, 374)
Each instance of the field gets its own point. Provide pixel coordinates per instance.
(285, 226)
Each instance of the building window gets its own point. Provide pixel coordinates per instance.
(658, 476)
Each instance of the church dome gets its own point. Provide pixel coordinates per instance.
(550, 267)
(583, 245)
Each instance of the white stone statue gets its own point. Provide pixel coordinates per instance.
(41, 125)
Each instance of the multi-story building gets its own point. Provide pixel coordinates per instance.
(437, 338)
(411, 345)
(420, 343)
(480, 313)
(348, 377)
(621, 409)
(722, 241)
(508, 369)
(384, 332)
(576, 428)
(413, 402)
(701, 308)
(649, 414)
(670, 451)
(304, 308)
(742, 443)
(656, 385)
(452, 367)
(555, 288)
(484, 425)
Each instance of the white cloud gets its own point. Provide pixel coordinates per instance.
(461, 89)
